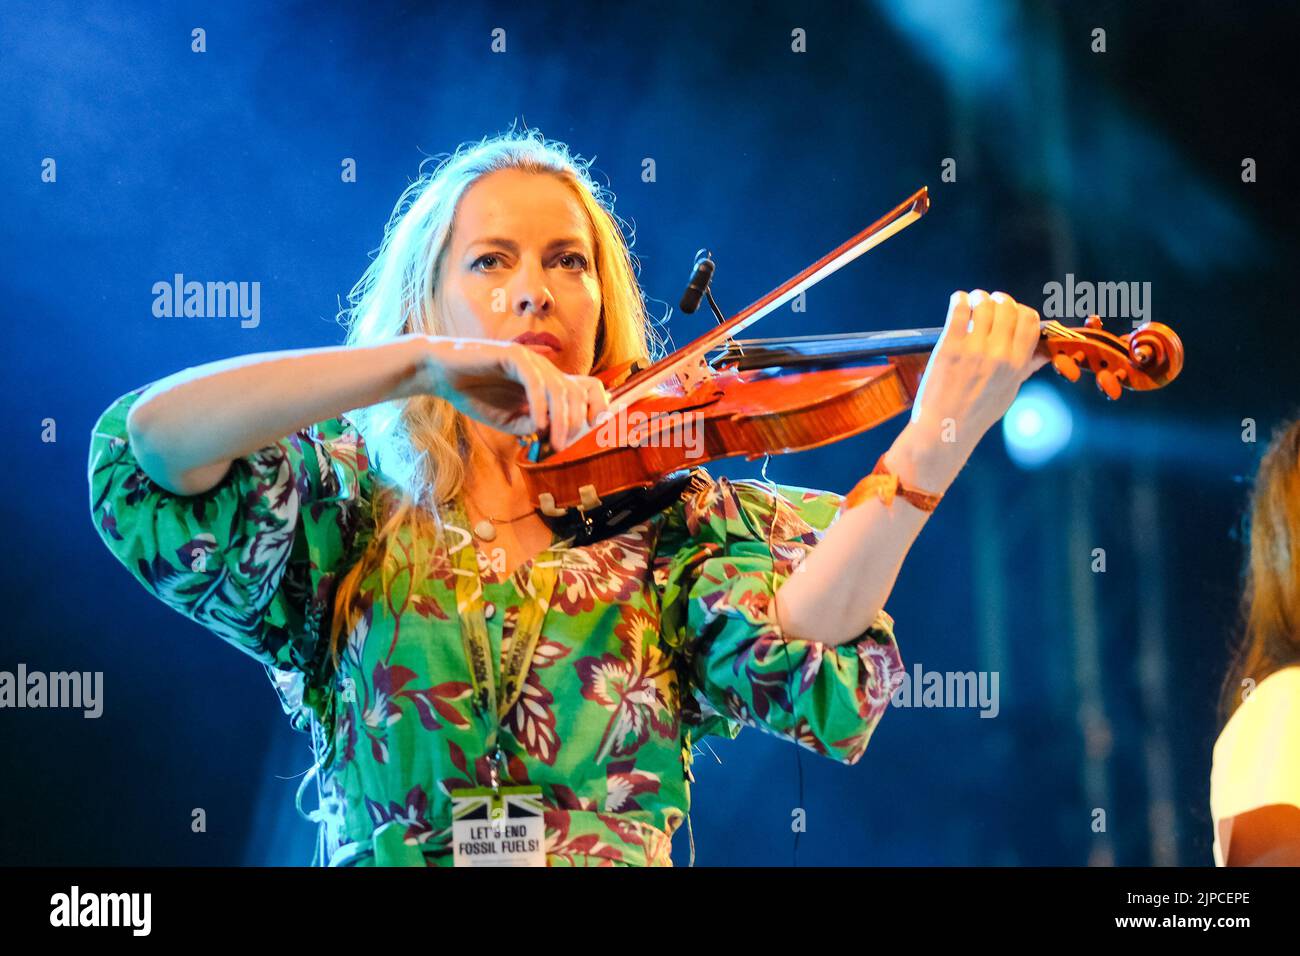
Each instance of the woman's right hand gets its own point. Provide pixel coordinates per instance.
(510, 387)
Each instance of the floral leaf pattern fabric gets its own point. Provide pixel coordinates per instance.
(652, 638)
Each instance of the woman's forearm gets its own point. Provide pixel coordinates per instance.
(187, 428)
(845, 581)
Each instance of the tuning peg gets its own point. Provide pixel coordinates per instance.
(1066, 366)
(1109, 383)
(1092, 322)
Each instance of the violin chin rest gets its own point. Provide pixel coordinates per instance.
(616, 513)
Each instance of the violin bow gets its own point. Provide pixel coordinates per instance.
(689, 362)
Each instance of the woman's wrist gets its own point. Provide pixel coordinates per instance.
(422, 365)
(922, 459)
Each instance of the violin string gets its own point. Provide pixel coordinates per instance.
(1064, 331)
(815, 348)
(832, 345)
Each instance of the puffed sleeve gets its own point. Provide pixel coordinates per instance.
(725, 549)
(254, 559)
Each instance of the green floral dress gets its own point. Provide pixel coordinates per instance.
(630, 648)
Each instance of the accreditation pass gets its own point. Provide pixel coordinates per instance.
(503, 828)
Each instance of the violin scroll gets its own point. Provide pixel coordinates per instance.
(1151, 356)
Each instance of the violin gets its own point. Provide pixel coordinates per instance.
(719, 397)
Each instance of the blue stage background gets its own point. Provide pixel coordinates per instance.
(1123, 165)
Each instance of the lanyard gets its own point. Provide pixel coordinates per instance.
(474, 634)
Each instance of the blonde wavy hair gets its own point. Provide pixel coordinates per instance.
(421, 444)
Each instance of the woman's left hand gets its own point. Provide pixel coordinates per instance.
(986, 351)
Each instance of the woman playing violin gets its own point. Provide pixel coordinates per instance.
(354, 518)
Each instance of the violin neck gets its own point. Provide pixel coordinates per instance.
(834, 351)
(824, 351)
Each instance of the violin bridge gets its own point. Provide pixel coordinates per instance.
(694, 374)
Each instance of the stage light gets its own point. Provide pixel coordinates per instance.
(1038, 425)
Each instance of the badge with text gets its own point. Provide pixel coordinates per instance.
(508, 829)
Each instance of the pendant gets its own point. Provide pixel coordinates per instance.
(485, 530)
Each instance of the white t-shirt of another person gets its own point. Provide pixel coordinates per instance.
(1257, 756)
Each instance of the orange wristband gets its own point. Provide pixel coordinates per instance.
(884, 484)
